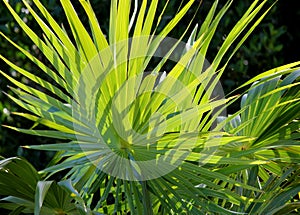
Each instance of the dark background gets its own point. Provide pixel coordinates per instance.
(273, 43)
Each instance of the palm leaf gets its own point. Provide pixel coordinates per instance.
(151, 136)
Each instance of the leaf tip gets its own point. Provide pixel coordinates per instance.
(25, 147)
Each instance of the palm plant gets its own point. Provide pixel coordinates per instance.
(147, 142)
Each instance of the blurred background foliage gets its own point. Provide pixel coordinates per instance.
(274, 43)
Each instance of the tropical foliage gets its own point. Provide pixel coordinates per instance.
(138, 140)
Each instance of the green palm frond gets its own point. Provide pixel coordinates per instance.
(147, 142)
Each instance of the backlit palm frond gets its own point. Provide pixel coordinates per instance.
(136, 139)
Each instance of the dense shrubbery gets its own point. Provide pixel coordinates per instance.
(252, 155)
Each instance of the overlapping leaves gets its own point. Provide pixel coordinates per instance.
(112, 116)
